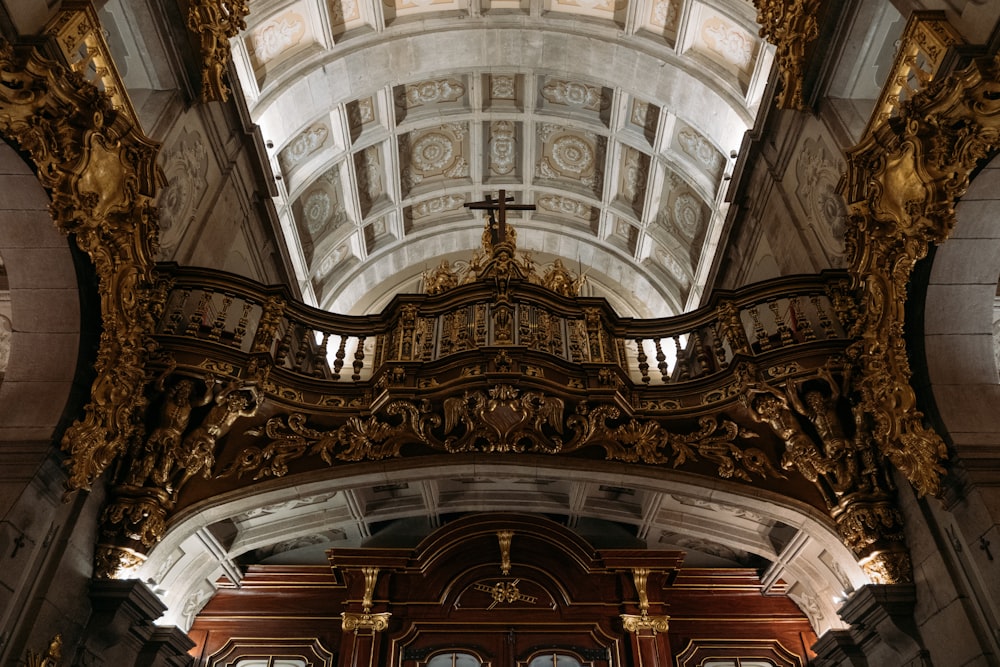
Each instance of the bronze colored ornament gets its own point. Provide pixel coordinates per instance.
(791, 26)
(641, 623)
(52, 656)
(903, 180)
(364, 622)
(101, 173)
(214, 23)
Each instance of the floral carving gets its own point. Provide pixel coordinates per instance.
(100, 172)
(791, 25)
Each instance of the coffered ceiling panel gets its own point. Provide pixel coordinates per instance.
(614, 118)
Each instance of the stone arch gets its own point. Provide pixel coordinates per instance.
(958, 320)
(202, 542)
(45, 315)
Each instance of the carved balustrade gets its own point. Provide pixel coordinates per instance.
(233, 319)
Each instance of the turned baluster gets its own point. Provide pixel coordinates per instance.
(176, 320)
(338, 362)
(219, 325)
(825, 323)
(320, 363)
(661, 361)
(359, 359)
(784, 333)
(682, 364)
(758, 329)
(198, 316)
(641, 358)
(240, 332)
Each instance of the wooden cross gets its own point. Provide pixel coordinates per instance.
(498, 228)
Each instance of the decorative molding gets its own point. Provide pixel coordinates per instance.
(636, 624)
(902, 183)
(791, 26)
(360, 622)
(100, 171)
(502, 420)
(214, 23)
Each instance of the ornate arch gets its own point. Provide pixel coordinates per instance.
(99, 168)
(903, 181)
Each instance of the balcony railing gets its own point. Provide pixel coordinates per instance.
(432, 331)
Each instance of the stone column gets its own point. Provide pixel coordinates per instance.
(882, 632)
(121, 630)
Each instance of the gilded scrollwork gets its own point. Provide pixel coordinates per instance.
(902, 183)
(791, 25)
(214, 23)
(503, 420)
(101, 175)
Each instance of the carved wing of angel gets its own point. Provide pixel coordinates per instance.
(550, 410)
(454, 412)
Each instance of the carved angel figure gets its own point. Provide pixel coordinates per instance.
(157, 460)
(197, 452)
(561, 281)
(801, 452)
(440, 279)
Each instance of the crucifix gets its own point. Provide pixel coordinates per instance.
(498, 227)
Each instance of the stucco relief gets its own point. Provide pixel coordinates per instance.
(436, 91)
(665, 14)
(817, 176)
(503, 87)
(727, 43)
(565, 205)
(274, 37)
(368, 171)
(503, 148)
(185, 168)
(437, 152)
(344, 11)
(700, 149)
(437, 205)
(672, 266)
(634, 173)
(312, 139)
(572, 155)
(339, 254)
(321, 209)
(575, 94)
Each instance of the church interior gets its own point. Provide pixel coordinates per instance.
(489, 333)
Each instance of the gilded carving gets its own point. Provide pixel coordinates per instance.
(371, 577)
(100, 172)
(902, 183)
(364, 622)
(791, 26)
(505, 537)
(642, 623)
(841, 461)
(501, 420)
(214, 23)
(52, 656)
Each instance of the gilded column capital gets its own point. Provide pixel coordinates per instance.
(636, 623)
(365, 621)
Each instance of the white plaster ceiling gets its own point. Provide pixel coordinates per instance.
(615, 119)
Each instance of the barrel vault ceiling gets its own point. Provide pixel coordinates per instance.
(617, 119)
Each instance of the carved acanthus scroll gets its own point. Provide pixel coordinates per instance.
(101, 173)
(215, 22)
(903, 181)
(502, 420)
(791, 26)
